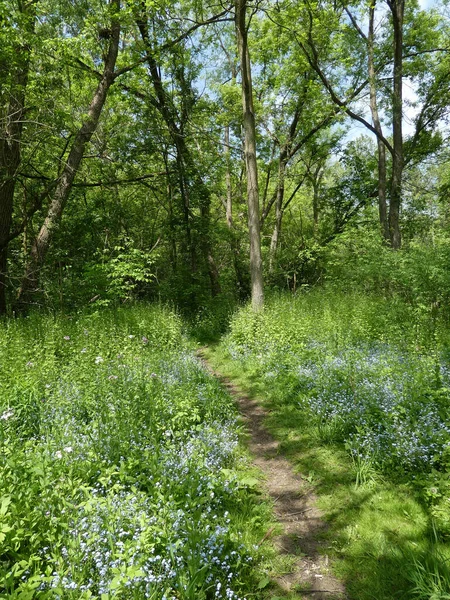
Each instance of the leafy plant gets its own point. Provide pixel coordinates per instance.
(120, 469)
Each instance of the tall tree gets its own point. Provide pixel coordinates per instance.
(15, 71)
(397, 8)
(381, 148)
(256, 270)
(192, 188)
(65, 182)
(377, 70)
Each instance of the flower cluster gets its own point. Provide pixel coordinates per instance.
(139, 449)
(385, 405)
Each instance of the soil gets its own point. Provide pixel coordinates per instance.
(295, 506)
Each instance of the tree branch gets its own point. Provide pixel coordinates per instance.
(355, 24)
(314, 63)
(121, 181)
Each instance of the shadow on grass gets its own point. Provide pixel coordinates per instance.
(378, 534)
(380, 531)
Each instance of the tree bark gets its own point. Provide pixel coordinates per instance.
(171, 219)
(256, 271)
(278, 212)
(10, 144)
(43, 240)
(397, 8)
(316, 178)
(229, 202)
(382, 204)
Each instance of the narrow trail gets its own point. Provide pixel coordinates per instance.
(294, 502)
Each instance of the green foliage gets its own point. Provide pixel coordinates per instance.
(417, 274)
(369, 374)
(212, 320)
(120, 470)
(428, 574)
(126, 271)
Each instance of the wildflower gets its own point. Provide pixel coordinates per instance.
(58, 454)
(144, 339)
(83, 350)
(112, 377)
(98, 360)
(30, 364)
(68, 449)
(6, 415)
(67, 338)
(131, 337)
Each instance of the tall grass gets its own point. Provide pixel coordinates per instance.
(120, 470)
(366, 375)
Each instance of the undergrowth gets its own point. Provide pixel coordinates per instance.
(121, 474)
(359, 392)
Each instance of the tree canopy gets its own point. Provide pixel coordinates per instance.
(185, 151)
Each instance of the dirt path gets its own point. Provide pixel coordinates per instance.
(295, 506)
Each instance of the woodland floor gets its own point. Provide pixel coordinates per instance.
(295, 506)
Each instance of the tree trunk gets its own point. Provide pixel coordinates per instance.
(382, 205)
(256, 272)
(43, 240)
(316, 180)
(397, 8)
(205, 245)
(171, 219)
(10, 144)
(278, 214)
(229, 204)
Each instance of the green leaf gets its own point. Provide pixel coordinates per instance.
(250, 482)
(5, 502)
(263, 582)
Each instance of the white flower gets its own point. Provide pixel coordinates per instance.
(6, 415)
(68, 449)
(131, 337)
(83, 350)
(98, 360)
(58, 454)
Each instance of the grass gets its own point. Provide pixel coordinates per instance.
(382, 534)
(121, 471)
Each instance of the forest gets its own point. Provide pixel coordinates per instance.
(224, 269)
